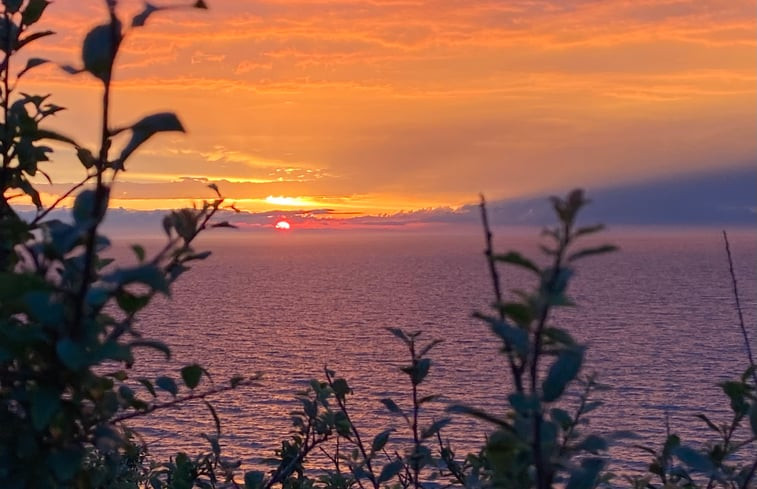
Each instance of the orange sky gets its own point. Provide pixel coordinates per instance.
(378, 106)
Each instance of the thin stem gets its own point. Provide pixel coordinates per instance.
(489, 252)
(181, 400)
(358, 440)
(60, 199)
(416, 410)
(747, 345)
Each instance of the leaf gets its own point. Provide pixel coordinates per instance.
(99, 49)
(561, 373)
(694, 460)
(223, 224)
(167, 384)
(191, 375)
(200, 4)
(434, 428)
(32, 63)
(389, 470)
(140, 19)
(84, 207)
(12, 6)
(47, 134)
(139, 251)
(253, 479)
(148, 385)
(216, 419)
(147, 127)
(33, 11)
(65, 462)
(515, 258)
(753, 417)
(214, 187)
(380, 440)
(592, 444)
(712, 425)
(71, 354)
(45, 403)
(391, 406)
(341, 388)
(592, 251)
(582, 231)
(480, 414)
(154, 344)
(399, 334)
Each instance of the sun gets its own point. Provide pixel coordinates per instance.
(282, 226)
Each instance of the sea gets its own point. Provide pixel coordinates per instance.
(658, 318)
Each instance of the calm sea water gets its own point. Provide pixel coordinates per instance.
(658, 318)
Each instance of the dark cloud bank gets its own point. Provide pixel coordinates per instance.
(722, 198)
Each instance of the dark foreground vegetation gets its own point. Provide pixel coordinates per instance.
(68, 336)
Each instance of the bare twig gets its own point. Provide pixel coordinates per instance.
(182, 400)
(515, 370)
(747, 345)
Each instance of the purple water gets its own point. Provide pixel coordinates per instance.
(658, 317)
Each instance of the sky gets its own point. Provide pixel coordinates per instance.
(374, 108)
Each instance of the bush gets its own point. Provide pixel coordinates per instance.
(68, 336)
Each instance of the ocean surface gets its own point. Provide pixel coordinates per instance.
(658, 318)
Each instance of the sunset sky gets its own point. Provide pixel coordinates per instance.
(380, 106)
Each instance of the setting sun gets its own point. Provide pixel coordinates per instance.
(282, 226)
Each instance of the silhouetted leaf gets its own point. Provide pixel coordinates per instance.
(140, 19)
(561, 373)
(693, 459)
(148, 385)
(200, 4)
(592, 251)
(154, 344)
(147, 127)
(380, 440)
(99, 49)
(167, 384)
(71, 354)
(253, 479)
(45, 403)
(753, 417)
(391, 406)
(515, 258)
(191, 375)
(32, 63)
(33, 11)
(389, 470)
(434, 428)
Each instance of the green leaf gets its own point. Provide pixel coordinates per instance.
(592, 444)
(341, 388)
(592, 251)
(146, 128)
(65, 463)
(167, 384)
(515, 258)
(33, 11)
(12, 6)
(399, 334)
(148, 385)
(154, 344)
(389, 470)
(191, 375)
(561, 373)
(45, 403)
(694, 460)
(391, 406)
(139, 251)
(434, 428)
(71, 354)
(84, 207)
(140, 19)
(32, 63)
(253, 479)
(380, 440)
(99, 48)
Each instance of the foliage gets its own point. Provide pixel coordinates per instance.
(69, 334)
